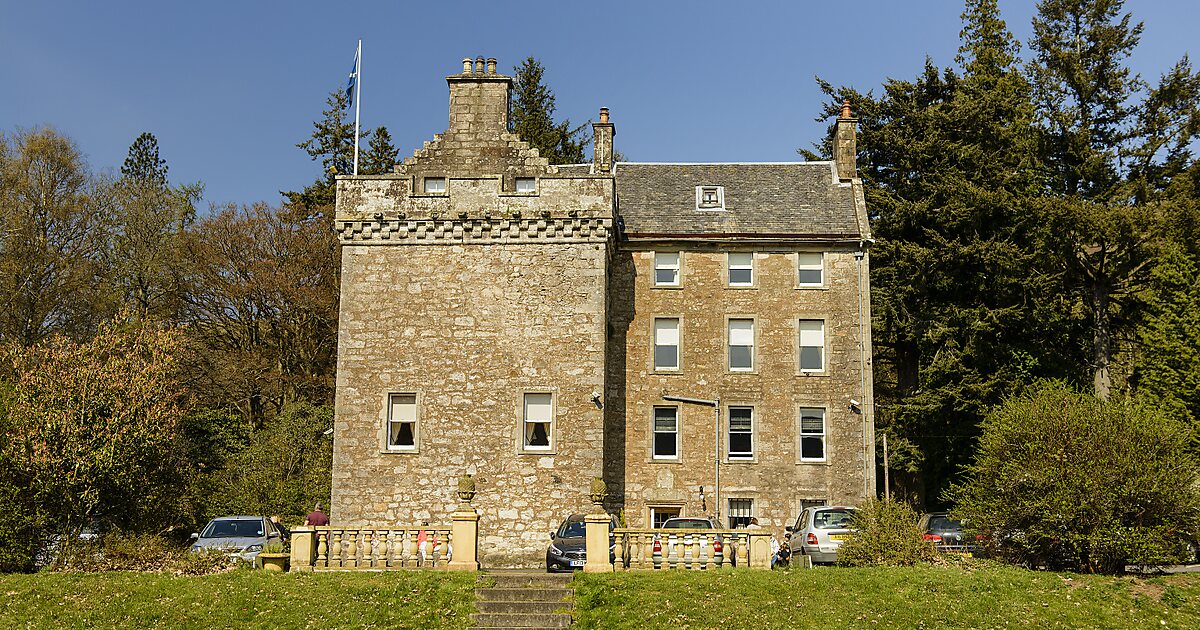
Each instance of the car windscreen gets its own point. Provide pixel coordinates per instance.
(688, 524)
(572, 529)
(944, 524)
(233, 528)
(832, 519)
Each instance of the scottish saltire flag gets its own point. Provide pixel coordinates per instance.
(353, 77)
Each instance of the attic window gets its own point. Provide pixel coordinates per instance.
(710, 197)
(526, 184)
(435, 185)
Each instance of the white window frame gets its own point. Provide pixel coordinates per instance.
(666, 333)
(806, 333)
(669, 511)
(730, 337)
(654, 432)
(434, 185)
(526, 421)
(661, 262)
(802, 266)
(729, 453)
(744, 510)
(702, 205)
(740, 266)
(822, 435)
(529, 183)
(390, 419)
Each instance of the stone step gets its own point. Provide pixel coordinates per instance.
(525, 608)
(546, 594)
(517, 620)
(524, 580)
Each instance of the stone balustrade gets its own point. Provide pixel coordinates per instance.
(691, 549)
(348, 548)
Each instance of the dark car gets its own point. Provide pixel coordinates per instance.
(568, 544)
(946, 533)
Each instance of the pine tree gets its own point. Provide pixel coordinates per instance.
(143, 163)
(531, 116)
(332, 142)
(380, 156)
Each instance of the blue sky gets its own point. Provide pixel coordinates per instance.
(230, 87)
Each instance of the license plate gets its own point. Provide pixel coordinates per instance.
(839, 537)
(577, 563)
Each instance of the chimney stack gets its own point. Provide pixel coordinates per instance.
(478, 99)
(602, 153)
(845, 145)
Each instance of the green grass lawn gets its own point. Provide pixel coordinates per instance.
(238, 599)
(923, 597)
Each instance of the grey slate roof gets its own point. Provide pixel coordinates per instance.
(796, 200)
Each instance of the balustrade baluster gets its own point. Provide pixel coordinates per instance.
(322, 548)
(335, 550)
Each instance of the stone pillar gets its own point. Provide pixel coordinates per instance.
(464, 529)
(596, 536)
(603, 133)
(304, 549)
(845, 145)
(759, 542)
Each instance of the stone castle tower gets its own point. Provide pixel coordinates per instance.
(472, 334)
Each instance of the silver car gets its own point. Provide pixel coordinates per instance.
(819, 531)
(242, 537)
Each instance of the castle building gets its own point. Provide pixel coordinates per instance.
(697, 335)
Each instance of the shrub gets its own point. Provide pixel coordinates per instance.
(885, 534)
(136, 553)
(1066, 481)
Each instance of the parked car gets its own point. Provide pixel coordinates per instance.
(689, 522)
(568, 544)
(241, 537)
(946, 533)
(820, 530)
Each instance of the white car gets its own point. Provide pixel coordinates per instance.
(819, 531)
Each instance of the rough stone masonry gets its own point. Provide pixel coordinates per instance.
(498, 319)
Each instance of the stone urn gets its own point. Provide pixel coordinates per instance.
(598, 491)
(277, 562)
(466, 490)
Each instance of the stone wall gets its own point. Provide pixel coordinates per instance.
(776, 479)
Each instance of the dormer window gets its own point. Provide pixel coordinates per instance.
(710, 197)
(435, 185)
(526, 184)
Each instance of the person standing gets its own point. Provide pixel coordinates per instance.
(316, 517)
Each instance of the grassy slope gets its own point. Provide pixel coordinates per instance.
(244, 599)
(994, 597)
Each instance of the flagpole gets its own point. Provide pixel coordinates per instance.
(357, 102)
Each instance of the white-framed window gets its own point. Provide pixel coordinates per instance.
(666, 343)
(710, 197)
(811, 269)
(666, 269)
(741, 432)
(740, 268)
(812, 345)
(526, 184)
(538, 422)
(660, 513)
(435, 185)
(666, 433)
(740, 513)
(402, 422)
(741, 345)
(812, 435)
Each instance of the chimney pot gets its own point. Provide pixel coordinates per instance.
(466, 65)
(479, 65)
(491, 65)
(603, 114)
(846, 113)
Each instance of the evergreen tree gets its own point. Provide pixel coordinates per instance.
(531, 116)
(143, 163)
(380, 156)
(332, 142)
